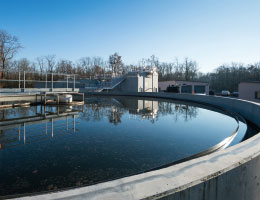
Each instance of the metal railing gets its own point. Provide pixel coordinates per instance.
(30, 79)
(110, 83)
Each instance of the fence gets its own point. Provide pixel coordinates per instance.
(35, 79)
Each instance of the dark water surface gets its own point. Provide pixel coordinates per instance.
(52, 148)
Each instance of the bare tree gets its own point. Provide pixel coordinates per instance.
(65, 66)
(191, 69)
(24, 65)
(116, 64)
(41, 63)
(85, 65)
(9, 46)
(51, 62)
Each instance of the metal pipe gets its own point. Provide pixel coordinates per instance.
(24, 80)
(33, 72)
(46, 80)
(152, 81)
(19, 79)
(51, 81)
(143, 83)
(67, 82)
(74, 83)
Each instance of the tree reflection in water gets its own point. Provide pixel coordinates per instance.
(145, 109)
(115, 114)
(178, 110)
(112, 138)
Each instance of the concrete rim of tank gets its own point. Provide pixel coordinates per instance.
(225, 174)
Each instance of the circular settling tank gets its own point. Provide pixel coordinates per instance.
(52, 148)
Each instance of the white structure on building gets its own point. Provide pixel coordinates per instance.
(147, 109)
(144, 80)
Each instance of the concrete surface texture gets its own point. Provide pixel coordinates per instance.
(232, 173)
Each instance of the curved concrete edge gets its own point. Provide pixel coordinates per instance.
(232, 173)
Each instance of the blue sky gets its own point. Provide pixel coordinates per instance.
(210, 32)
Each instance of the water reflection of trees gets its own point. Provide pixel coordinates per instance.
(115, 114)
(113, 111)
(16, 112)
(177, 110)
(93, 112)
(98, 110)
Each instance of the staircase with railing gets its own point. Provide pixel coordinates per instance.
(106, 85)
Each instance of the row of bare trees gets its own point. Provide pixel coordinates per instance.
(225, 77)
(86, 66)
(228, 77)
(176, 70)
(90, 66)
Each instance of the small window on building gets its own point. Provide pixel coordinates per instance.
(257, 95)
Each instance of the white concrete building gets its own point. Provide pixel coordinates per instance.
(145, 80)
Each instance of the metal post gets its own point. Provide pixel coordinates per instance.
(152, 81)
(58, 101)
(51, 81)
(24, 80)
(67, 82)
(143, 83)
(74, 83)
(58, 110)
(46, 80)
(19, 79)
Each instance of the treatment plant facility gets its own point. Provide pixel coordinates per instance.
(68, 137)
(142, 80)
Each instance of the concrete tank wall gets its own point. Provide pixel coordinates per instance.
(232, 173)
